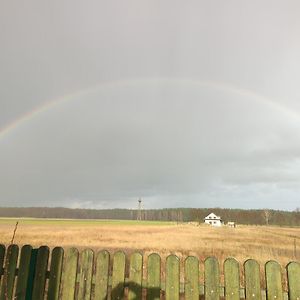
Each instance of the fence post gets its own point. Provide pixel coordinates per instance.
(252, 280)
(118, 276)
(101, 276)
(153, 277)
(232, 279)
(211, 279)
(191, 280)
(135, 276)
(8, 279)
(273, 280)
(85, 274)
(172, 278)
(23, 273)
(69, 274)
(2, 255)
(39, 280)
(293, 272)
(57, 257)
(31, 273)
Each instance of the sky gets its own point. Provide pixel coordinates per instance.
(184, 104)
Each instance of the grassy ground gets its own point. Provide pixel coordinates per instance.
(259, 242)
(77, 222)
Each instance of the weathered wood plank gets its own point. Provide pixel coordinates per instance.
(57, 257)
(211, 279)
(153, 277)
(69, 274)
(273, 280)
(40, 273)
(135, 277)
(31, 273)
(118, 276)
(252, 280)
(23, 273)
(85, 274)
(2, 255)
(293, 272)
(191, 281)
(10, 266)
(101, 275)
(232, 279)
(172, 278)
(67, 279)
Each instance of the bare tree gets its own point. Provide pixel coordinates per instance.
(267, 214)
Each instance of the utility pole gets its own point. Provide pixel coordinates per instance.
(139, 214)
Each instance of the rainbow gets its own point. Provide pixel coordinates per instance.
(9, 128)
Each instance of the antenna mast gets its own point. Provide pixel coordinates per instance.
(139, 214)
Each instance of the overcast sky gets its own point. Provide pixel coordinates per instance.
(182, 103)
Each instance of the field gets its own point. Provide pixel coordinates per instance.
(259, 242)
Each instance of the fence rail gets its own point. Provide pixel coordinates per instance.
(43, 274)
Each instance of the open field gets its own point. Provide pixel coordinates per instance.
(258, 242)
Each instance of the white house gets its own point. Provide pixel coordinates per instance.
(213, 220)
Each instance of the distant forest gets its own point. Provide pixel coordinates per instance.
(253, 217)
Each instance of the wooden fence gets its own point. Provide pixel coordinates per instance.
(38, 274)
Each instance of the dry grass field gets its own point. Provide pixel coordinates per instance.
(258, 242)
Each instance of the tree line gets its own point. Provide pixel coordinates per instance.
(240, 216)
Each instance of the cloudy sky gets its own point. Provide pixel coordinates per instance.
(182, 103)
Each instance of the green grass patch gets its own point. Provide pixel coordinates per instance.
(70, 222)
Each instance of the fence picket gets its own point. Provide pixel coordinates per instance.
(191, 282)
(293, 272)
(10, 266)
(23, 273)
(172, 278)
(31, 274)
(2, 255)
(101, 276)
(118, 276)
(232, 279)
(135, 276)
(69, 274)
(31, 277)
(55, 273)
(273, 280)
(85, 274)
(252, 280)
(153, 277)
(211, 279)
(40, 273)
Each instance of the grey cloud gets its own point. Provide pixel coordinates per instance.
(166, 139)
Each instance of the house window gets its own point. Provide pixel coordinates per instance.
(215, 222)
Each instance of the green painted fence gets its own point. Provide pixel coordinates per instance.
(38, 274)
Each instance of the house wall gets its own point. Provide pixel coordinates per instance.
(213, 222)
